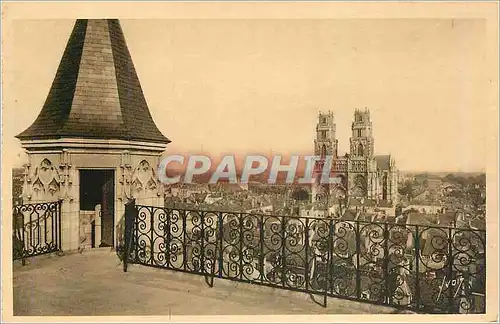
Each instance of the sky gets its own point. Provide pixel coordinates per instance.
(256, 86)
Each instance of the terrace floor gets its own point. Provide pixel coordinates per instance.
(93, 283)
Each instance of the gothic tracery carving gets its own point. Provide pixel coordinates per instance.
(47, 182)
(144, 180)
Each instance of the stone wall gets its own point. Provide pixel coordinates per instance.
(55, 176)
(86, 218)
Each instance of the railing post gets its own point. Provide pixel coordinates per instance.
(328, 261)
(358, 252)
(283, 250)
(184, 240)
(220, 242)
(306, 245)
(241, 256)
(151, 236)
(202, 245)
(18, 237)
(450, 271)
(214, 259)
(38, 225)
(59, 232)
(386, 264)
(261, 246)
(23, 240)
(129, 224)
(483, 242)
(45, 226)
(417, 267)
(168, 229)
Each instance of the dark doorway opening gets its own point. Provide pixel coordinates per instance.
(98, 187)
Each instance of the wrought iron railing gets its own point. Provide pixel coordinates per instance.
(423, 268)
(36, 229)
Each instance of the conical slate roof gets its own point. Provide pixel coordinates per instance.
(96, 93)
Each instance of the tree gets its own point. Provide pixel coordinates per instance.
(449, 178)
(406, 189)
(475, 197)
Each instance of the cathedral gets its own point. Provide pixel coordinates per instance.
(370, 178)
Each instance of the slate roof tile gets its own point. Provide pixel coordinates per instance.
(96, 92)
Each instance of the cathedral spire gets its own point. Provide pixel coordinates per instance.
(96, 93)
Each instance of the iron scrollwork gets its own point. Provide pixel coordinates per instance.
(424, 268)
(36, 229)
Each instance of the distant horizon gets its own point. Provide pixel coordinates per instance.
(20, 164)
(401, 171)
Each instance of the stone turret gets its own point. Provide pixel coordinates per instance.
(94, 141)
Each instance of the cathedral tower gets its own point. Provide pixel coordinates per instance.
(361, 141)
(325, 142)
(370, 178)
